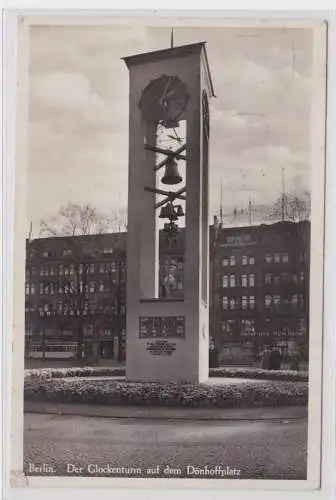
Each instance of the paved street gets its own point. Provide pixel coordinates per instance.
(269, 449)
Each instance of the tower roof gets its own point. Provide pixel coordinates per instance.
(170, 53)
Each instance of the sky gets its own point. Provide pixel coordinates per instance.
(78, 113)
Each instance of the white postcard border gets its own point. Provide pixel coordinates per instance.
(316, 304)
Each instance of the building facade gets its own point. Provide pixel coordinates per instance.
(259, 292)
(75, 297)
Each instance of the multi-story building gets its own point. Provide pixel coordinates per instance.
(259, 291)
(75, 297)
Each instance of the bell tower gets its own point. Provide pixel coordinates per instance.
(168, 333)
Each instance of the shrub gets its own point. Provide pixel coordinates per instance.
(110, 392)
(228, 372)
(259, 373)
(96, 371)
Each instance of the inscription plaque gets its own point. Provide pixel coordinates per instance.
(161, 347)
(162, 327)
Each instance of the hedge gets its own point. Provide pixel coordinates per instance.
(99, 371)
(260, 374)
(109, 392)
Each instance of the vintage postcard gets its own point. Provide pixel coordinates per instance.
(169, 252)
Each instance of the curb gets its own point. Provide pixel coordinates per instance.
(150, 413)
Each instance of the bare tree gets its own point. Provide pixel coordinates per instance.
(292, 207)
(75, 220)
(77, 298)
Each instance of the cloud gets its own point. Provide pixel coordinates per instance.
(78, 132)
(68, 93)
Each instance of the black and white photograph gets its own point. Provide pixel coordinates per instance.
(169, 235)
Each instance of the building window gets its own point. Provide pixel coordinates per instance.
(302, 323)
(225, 281)
(252, 301)
(108, 250)
(244, 280)
(285, 257)
(225, 302)
(232, 303)
(277, 258)
(72, 269)
(41, 288)
(251, 260)
(295, 278)
(251, 280)
(66, 252)
(91, 268)
(268, 300)
(244, 302)
(295, 300)
(102, 268)
(276, 279)
(268, 278)
(232, 280)
(52, 290)
(27, 289)
(80, 268)
(225, 262)
(61, 269)
(101, 287)
(232, 260)
(230, 239)
(302, 276)
(114, 266)
(244, 260)
(66, 271)
(276, 300)
(247, 326)
(228, 326)
(32, 288)
(92, 287)
(268, 258)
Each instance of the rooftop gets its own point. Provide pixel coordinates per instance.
(170, 53)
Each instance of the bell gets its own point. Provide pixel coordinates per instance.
(171, 214)
(163, 213)
(179, 211)
(171, 175)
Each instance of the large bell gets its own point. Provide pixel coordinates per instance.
(171, 175)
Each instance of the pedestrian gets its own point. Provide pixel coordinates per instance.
(275, 359)
(213, 356)
(295, 361)
(265, 358)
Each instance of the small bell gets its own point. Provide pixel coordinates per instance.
(171, 175)
(179, 211)
(163, 213)
(171, 214)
